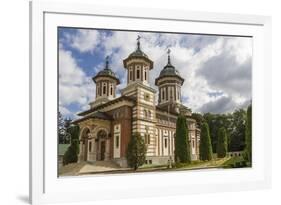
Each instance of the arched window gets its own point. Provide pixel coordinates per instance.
(101, 134)
(138, 74)
(149, 114)
(111, 90)
(145, 113)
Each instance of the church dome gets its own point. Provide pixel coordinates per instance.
(138, 53)
(169, 71)
(106, 72)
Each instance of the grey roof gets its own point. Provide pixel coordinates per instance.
(169, 71)
(138, 53)
(106, 72)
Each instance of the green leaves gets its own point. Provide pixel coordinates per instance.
(136, 152)
(182, 146)
(248, 134)
(205, 147)
(222, 143)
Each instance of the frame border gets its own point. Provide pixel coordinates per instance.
(37, 12)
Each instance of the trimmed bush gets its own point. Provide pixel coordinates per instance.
(205, 148)
(71, 155)
(136, 151)
(182, 146)
(222, 143)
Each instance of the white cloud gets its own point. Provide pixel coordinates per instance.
(84, 40)
(74, 85)
(190, 55)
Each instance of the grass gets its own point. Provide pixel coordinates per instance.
(201, 164)
(235, 162)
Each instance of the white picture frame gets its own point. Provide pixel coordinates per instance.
(46, 187)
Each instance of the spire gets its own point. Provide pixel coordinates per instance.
(138, 42)
(107, 62)
(169, 59)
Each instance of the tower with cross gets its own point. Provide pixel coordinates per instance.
(169, 84)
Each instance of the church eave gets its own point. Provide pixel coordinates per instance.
(105, 105)
(138, 57)
(171, 76)
(106, 76)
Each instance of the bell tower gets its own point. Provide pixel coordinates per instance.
(106, 82)
(169, 85)
(138, 66)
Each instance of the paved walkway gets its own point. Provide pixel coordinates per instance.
(100, 166)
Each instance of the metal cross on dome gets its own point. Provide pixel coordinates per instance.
(106, 61)
(169, 51)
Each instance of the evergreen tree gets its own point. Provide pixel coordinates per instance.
(136, 151)
(249, 134)
(71, 155)
(222, 143)
(205, 147)
(182, 146)
(237, 134)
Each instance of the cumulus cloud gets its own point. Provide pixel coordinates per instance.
(74, 86)
(84, 40)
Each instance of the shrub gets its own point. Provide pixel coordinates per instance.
(182, 146)
(222, 143)
(205, 147)
(136, 152)
(71, 155)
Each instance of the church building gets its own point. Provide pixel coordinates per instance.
(106, 128)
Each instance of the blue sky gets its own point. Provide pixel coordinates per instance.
(216, 69)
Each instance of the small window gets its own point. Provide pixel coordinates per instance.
(98, 90)
(150, 161)
(138, 74)
(117, 141)
(145, 113)
(104, 89)
(146, 97)
(166, 142)
(163, 94)
(145, 74)
(111, 90)
(131, 74)
(147, 138)
(193, 143)
(90, 146)
(149, 114)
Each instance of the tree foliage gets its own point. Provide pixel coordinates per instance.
(222, 143)
(237, 134)
(63, 125)
(136, 151)
(205, 148)
(248, 133)
(71, 155)
(182, 146)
